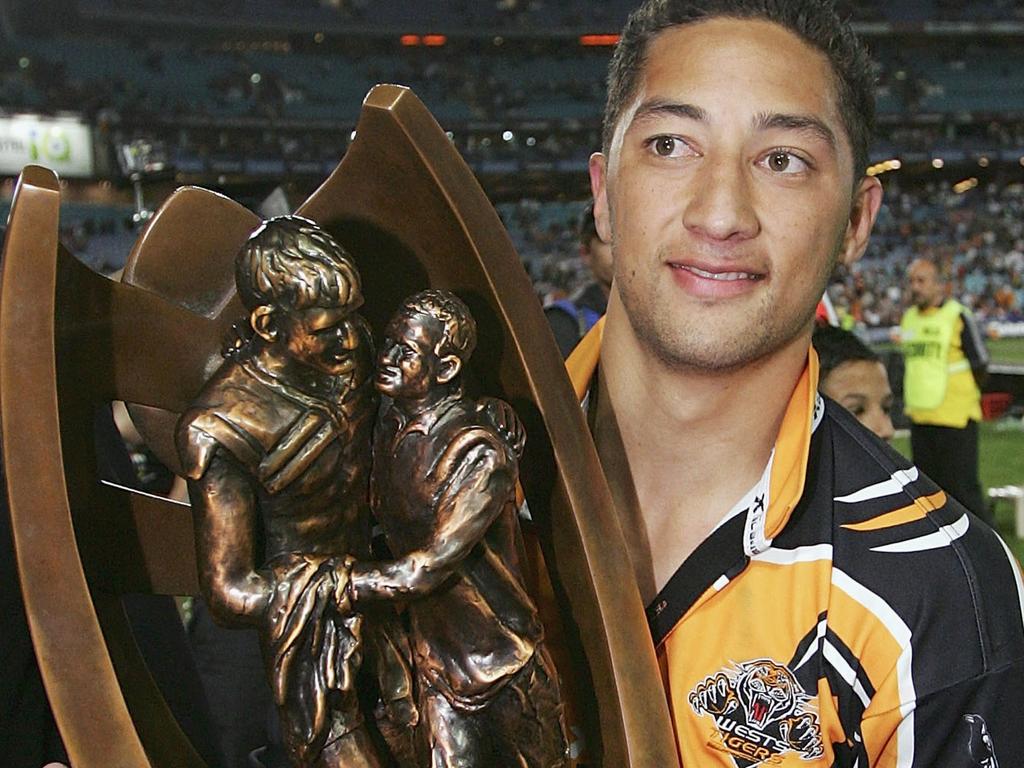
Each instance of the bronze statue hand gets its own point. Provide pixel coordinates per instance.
(505, 420)
(344, 597)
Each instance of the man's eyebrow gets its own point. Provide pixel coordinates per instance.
(660, 107)
(767, 121)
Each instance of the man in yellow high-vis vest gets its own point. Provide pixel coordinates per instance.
(945, 359)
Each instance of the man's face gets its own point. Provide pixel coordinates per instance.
(407, 365)
(925, 288)
(728, 195)
(862, 388)
(327, 339)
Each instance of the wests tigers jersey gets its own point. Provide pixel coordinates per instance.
(846, 613)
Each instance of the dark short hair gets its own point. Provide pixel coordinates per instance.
(836, 346)
(814, 21)
(458, 328)
(586, 228)
(291, 263)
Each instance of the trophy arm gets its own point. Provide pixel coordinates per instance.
(476, 494)
(224, 508)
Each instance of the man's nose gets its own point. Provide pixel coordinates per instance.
(880, 423)
(721, 204)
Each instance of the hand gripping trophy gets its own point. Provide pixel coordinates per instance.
(276, 449)
(443, 489)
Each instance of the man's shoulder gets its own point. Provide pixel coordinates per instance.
(471, 425)
(928, 569)
(236, 411)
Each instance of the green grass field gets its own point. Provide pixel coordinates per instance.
(1007, 351)
(1001, 450)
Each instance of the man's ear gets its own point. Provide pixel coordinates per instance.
(262, 321)
(599, 188)
(450, 367)
(867, 199)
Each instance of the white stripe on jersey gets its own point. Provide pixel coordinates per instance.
(890, 487)
(833, 657)
(822, 626)
(845, 671)
(904, 677)
(1015, 567)
(943, 537)
(809, 554)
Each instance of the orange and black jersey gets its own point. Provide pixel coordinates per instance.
(845, 613)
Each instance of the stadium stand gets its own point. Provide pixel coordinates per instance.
(244, 96)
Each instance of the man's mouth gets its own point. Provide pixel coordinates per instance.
(724, 277)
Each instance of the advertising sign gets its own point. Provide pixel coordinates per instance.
(59, 143)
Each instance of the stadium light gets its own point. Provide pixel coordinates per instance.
(508, 135)
(886, 165)
(963, 186)
(983, 161)
(938, 162)
(598, 40)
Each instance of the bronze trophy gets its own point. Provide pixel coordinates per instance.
(296, 435)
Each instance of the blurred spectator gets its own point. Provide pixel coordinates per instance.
(572, 317)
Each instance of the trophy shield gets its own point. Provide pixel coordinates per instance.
(410, 212)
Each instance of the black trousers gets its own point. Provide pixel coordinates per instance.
(949, 456)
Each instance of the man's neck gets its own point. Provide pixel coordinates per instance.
(695, 440)
(416, 407)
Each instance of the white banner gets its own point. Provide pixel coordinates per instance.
(62, 144)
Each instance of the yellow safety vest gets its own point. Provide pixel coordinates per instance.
(938, 385)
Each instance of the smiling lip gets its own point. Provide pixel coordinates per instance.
(714, 282)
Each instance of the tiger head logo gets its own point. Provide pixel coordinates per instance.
(767, 691)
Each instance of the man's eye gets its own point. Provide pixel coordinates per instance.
(667, 146)
(783, 161)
